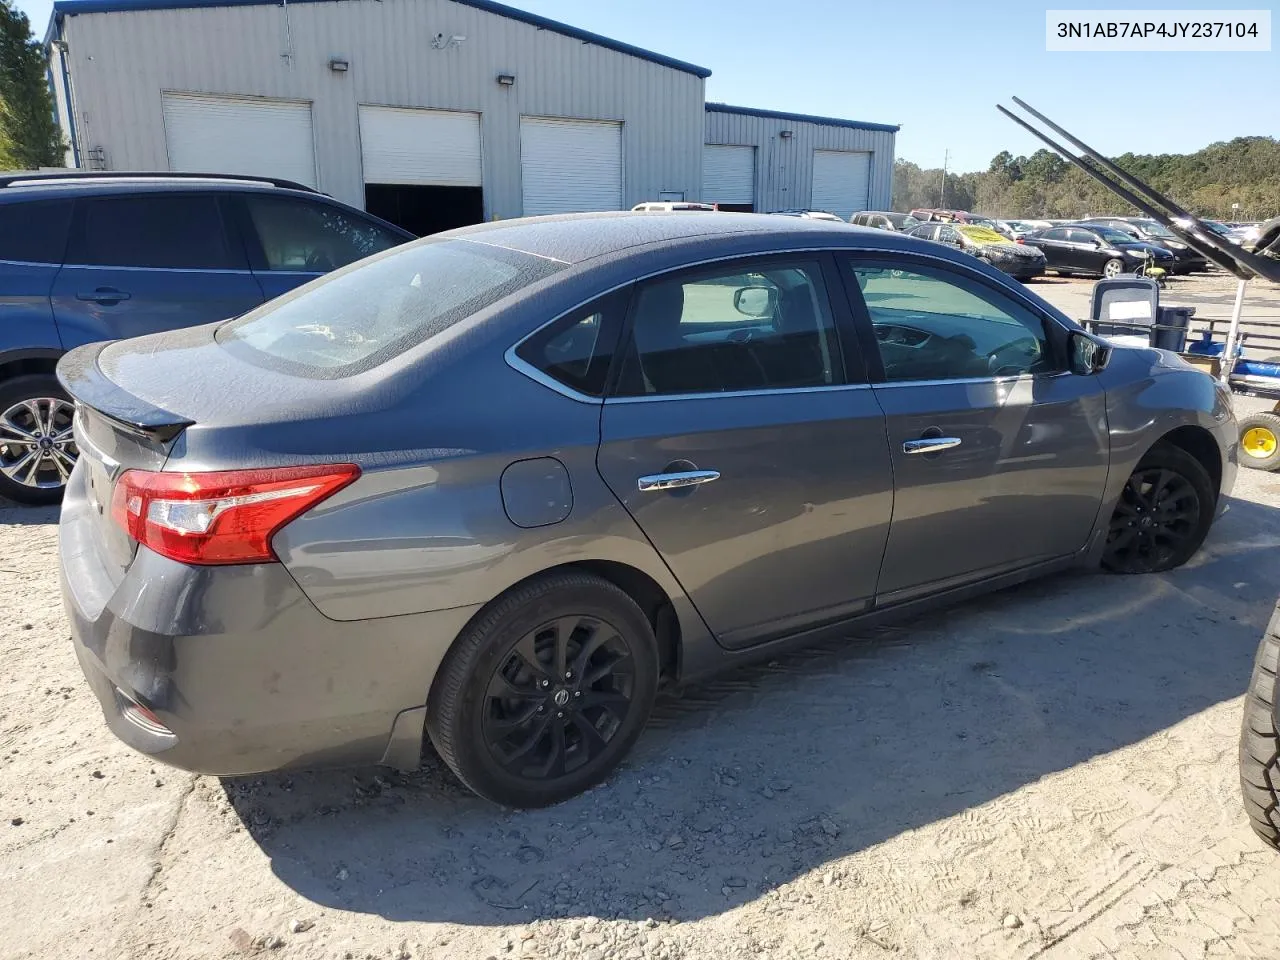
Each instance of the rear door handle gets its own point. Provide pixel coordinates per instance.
(930, 444)
(674, 481)
(104, 295)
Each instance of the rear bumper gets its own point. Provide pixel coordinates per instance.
(239, 665)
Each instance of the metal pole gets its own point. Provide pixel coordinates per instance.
(942, 191)
(1233, 332)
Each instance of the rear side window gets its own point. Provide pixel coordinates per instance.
(162, 230)
(359, 317)
(34, 232)
(314, 237)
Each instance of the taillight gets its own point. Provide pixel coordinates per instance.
(228, 516)
(1018, 240)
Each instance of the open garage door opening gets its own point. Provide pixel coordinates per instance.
(422, 167)
(424, 209)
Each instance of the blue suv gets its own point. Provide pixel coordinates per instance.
(103, 256)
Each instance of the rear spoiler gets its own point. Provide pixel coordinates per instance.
(80, 376)
(1244, 264)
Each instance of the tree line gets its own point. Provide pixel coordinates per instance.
(1245, 170)
(29, 137)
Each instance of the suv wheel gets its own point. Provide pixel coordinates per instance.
(37, 448)
(1259, 742)
(546, 691)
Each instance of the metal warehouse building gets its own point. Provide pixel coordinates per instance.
(432, 113)
(763, 160)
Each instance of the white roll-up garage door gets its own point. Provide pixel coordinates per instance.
(249, 136)
(841, 181)
(728, 174)
(433, 147)
(570, 166)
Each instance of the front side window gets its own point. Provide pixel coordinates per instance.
(732, 329)
(357, 318)
(313, 237)
(159, 230)
(933, 324)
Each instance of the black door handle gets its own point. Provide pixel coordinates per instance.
(107, 296)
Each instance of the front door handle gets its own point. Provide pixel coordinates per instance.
(674, 481)
(106, 296)
(930, 444)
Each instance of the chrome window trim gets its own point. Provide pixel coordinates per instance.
(717, 394)
(31, 263)
(533, 373)
(1012, 378)
(111, 266)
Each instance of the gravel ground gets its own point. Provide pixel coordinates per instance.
(1047, 772)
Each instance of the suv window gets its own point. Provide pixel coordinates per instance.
(933, 324)
(163, 230)
(578, 350)
(739, 328)
(313, 237)
(34, 232)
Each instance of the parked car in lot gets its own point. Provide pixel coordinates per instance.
(810, 215)
(671, 206)
(500, 482)
(105, 256)
(1095, 250)
(1019, 261)
(1185, 259)
(884, 220)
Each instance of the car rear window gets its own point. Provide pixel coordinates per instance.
(371, 311)
(34, 232)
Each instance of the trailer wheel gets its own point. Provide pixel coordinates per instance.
(1260, 441)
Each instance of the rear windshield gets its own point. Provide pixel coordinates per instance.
(365, 314)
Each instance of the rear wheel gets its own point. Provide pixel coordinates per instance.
(546, 691)
(1260, 441)
(1163, 514)
(37, 448)
(1112, 268)
(1260, 742)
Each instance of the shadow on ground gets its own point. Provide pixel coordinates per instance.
(745, 783)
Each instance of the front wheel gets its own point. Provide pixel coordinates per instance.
(1260, 743)
(1260, 441)
(1163, 514)
(1112, 268)
(37, 448)
(546, 691)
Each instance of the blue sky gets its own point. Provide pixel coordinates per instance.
(938, 67)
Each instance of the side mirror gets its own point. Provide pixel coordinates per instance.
(756, 302)
(1088, 354)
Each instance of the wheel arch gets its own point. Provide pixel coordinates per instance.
(1199, 443)
(18, 363)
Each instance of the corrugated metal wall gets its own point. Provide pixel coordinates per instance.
(784, 168)
(121, 62)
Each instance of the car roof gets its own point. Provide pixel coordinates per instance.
(577, 237)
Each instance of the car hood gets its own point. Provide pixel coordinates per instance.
(1143, 247)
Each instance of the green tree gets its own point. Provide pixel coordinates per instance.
(29, 137)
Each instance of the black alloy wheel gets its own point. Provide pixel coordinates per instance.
(1162, 516)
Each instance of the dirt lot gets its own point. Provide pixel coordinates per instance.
(1049, 772)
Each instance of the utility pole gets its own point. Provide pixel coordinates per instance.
(942, 191)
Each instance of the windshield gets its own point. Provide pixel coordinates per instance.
(1156, 229)
(376, 309)
(1112, 236)
(981, 234)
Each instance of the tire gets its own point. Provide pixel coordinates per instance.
(1260, 742)
(1163, 514)
(1260, 441)
(26, 404)
(1113, 268)
(489, 717)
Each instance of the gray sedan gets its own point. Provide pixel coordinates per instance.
(501, 483)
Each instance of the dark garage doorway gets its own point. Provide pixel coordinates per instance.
(425, 209)
(736, 207)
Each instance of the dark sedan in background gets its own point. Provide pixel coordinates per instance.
(1021, 262)
(1185, 259)
(1095, 250)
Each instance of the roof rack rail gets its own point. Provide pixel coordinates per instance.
(30, 177)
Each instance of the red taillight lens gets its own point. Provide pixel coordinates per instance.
(1019, 240)
(224, 517)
